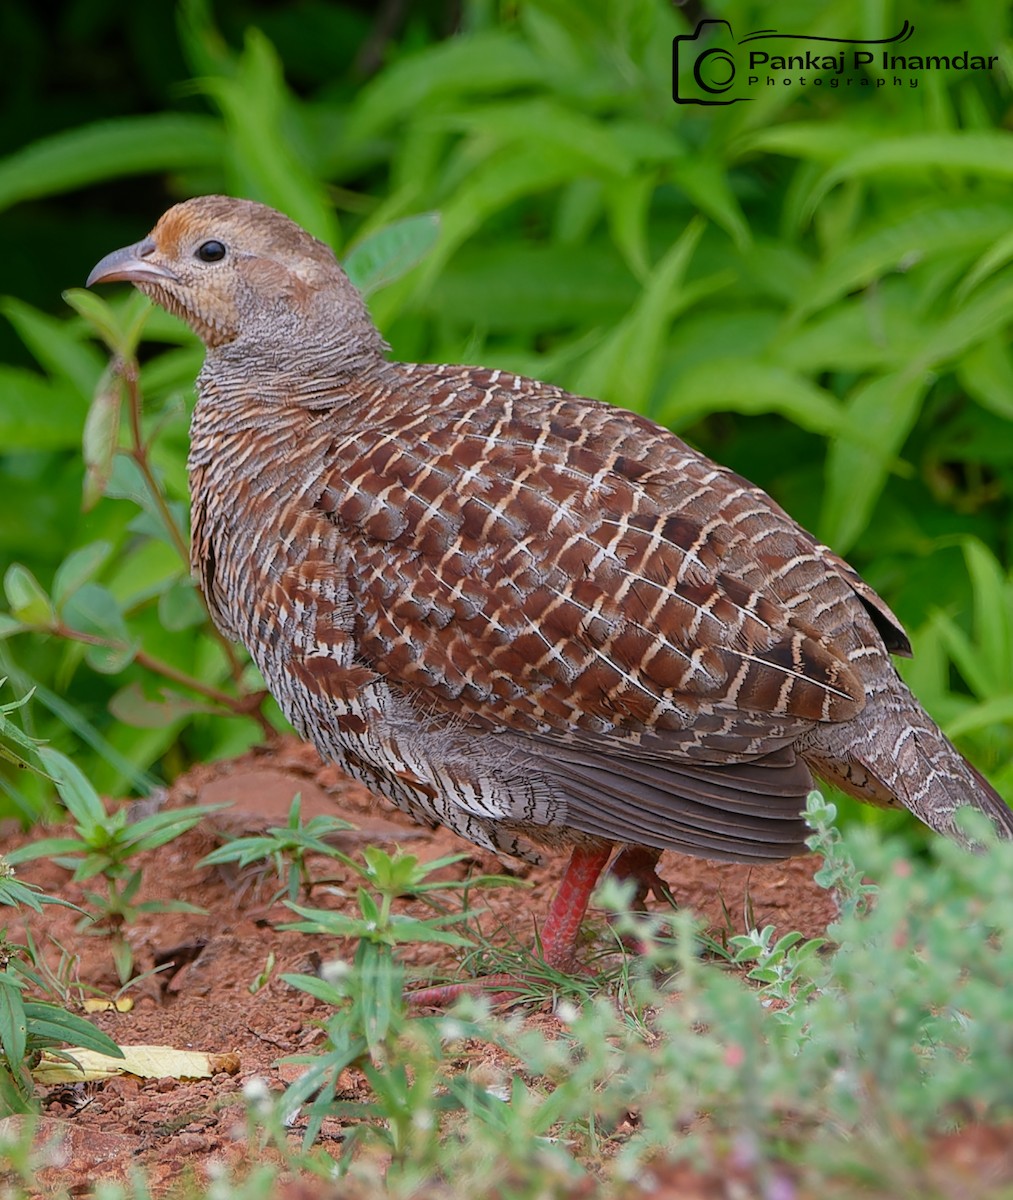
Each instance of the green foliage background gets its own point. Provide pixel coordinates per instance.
(816, 288)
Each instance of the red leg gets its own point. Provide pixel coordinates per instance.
(559, 932)
(562, 922)
(638, 863)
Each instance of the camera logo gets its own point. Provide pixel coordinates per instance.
(706, 75)
(711, 66)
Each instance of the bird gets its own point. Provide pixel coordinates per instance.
(535, 618)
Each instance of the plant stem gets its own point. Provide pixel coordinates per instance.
(245, 705)
(129, 372)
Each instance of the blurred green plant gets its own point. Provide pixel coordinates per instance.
(368, 1027)
(287, 847)
(894, 1029)
(29, 1026)
(816, 287)
(103, 845)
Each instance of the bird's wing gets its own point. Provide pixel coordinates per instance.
(654, 628)
(733, 812)
(571, 571)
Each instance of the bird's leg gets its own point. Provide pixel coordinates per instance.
(638, 863)
(559, 932)
(562, 922)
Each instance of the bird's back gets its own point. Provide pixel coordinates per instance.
(531, 612)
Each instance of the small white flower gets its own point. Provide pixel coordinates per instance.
(257, 1095)
(335, 971)
(567, 1011)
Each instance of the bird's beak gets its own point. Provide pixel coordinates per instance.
(134, 264)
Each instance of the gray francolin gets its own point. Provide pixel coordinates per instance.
(526, 615)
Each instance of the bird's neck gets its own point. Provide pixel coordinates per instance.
(319, 377)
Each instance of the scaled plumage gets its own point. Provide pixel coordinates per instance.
(526, 615)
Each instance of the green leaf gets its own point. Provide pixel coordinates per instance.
(109, 150)
(408, 930)
(120, 328)
(9, 626)
(629, 202)
(993, 613)
(37, 414)
(44, 848)
(590, 144)
(391, 252)
(47, 1020)
(78, 568)
(986, 371)
(624, 368)
(381, 981)
(127, 773)
(476, 64)
(898, 244)
(13, 1021)
(154, 831)
(825, 141)
(111, 660)
(8, 729)
(242, 851)
(180, 607)
(313, 985)
(93, 609)
(749, 386)
(527, 290)
(172, 371)
(509, 173)
(101, 437)
(995, 257)
(988, 311)
(27, 600)
(79, 797)
(854, 335)
(167, 906)
(14, 893)
(997, 711)
(259, 142)
(57, 348)
(127, 483)
(132, 707)
(368, 907)
(882, 412)
(705, 182)
(988, 153)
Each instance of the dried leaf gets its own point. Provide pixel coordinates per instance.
(97, 1004)
(146, 1062)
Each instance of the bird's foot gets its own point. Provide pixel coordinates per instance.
(501, 989)
(558, 942)
(638, 863)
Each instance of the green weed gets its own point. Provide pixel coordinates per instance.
(103, 845)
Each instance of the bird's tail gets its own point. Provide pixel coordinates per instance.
(894, 753)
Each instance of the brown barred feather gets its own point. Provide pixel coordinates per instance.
(524, 614)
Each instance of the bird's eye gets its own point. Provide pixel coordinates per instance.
(211, 251)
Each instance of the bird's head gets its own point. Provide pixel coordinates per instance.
(250, 283)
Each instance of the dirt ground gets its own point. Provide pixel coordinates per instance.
(203, 1001)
